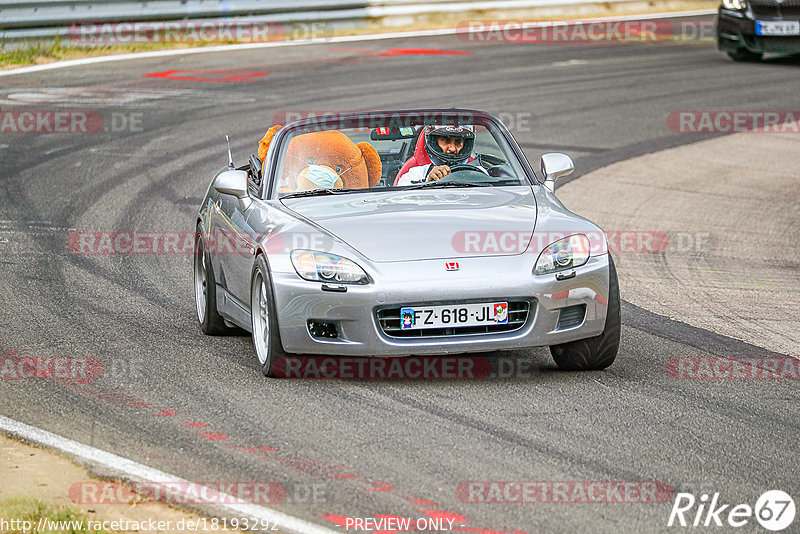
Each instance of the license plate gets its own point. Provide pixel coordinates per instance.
(454, 315)
(783, 27)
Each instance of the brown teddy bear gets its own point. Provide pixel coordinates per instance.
(326, 159)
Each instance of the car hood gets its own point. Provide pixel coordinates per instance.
(429, 224)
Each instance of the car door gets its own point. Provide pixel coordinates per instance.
(234, 248)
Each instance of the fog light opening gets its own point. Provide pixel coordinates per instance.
(571, 316)
(322, 329)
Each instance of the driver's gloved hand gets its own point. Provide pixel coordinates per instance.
(438, 172)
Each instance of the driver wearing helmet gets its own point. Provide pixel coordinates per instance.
(446, 145)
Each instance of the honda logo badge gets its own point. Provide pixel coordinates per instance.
(451, 265)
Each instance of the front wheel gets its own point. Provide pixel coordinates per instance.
(205, 294)
(600, 351)
(266, 337)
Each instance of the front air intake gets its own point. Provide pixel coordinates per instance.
(571, 317)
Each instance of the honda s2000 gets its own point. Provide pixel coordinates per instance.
(483, 258)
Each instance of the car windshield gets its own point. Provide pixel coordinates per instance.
(385, 152)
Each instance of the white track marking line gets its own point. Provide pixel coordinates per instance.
(153, 476)
(327, 40)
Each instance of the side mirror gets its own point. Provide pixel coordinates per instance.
(554, 166)
(234, 183)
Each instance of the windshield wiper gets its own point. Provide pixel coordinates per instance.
(448, 184)
(316, 192)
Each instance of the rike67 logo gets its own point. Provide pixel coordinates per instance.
(774, 510)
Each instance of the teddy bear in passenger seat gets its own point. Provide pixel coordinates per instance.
(327, 159)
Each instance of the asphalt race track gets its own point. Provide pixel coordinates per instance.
(198, 407)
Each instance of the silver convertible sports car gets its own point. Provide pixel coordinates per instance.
(354, 235)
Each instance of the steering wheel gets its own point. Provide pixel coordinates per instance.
(468, 167)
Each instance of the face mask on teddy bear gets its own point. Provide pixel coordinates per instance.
(340, 170)
(318, 177)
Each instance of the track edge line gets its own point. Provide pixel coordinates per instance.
(134, 471)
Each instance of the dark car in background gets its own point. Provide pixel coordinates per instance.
(746, 29)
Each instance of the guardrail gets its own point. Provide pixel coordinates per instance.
(39, 14)
(39, 20)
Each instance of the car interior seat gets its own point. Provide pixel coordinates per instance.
(420, 157)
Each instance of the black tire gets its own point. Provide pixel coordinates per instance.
(205, 290)
(262, 310)
(600, 351)
(743, 54)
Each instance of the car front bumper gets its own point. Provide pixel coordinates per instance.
(736, 31)
(359, 332)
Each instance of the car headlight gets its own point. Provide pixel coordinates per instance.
(734, 4)
(323, 267)
(572, 251)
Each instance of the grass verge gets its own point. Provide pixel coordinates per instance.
(21, 515)
(37, 54)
